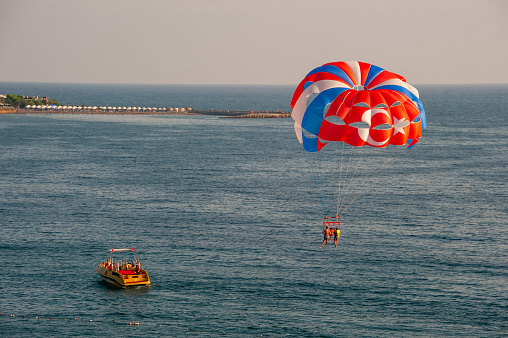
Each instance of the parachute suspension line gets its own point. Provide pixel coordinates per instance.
(340, 177)
(345, 176)
(318, 186)
(351, 180)
(360, 181)
(370, 181)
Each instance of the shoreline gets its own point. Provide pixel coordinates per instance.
(220, 113)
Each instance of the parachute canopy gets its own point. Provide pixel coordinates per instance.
(356, 103)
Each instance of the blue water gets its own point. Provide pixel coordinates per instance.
(177, 96)
(225, 216)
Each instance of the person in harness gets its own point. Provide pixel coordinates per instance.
(336, 235)
(328, 223)
(327, 232)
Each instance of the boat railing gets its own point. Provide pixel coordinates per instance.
(123, 265)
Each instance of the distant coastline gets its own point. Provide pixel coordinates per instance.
(149, 103)
(188, 111)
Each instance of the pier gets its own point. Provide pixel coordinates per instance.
(240, 114)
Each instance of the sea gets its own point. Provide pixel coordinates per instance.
(226, 217)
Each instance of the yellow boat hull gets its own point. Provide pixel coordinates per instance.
(123, 278)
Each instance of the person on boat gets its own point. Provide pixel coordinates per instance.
(138, 267)
(336, 235)
(108, 264)
(327, 234)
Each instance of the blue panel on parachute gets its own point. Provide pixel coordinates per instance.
(308, 83)
(313, 117)
(309, 144)
(335, 71)
(373, 72)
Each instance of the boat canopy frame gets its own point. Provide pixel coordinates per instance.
(122, 250)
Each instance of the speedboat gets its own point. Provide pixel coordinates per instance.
(123, 273)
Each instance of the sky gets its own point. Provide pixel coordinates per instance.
(250, 42)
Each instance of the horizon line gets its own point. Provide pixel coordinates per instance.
(233, 84)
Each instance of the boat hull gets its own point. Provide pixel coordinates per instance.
(124, 278)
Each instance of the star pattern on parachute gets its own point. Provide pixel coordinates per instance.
(397, 122)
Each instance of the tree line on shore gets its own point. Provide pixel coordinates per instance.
(21, 101)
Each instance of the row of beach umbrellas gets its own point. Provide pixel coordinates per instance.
(55, 107)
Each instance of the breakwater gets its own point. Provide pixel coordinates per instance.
(241, 114)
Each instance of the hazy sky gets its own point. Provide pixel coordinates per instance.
(250, 42)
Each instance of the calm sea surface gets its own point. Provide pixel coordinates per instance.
(225, 216)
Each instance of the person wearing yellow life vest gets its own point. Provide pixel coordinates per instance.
(336, 235)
